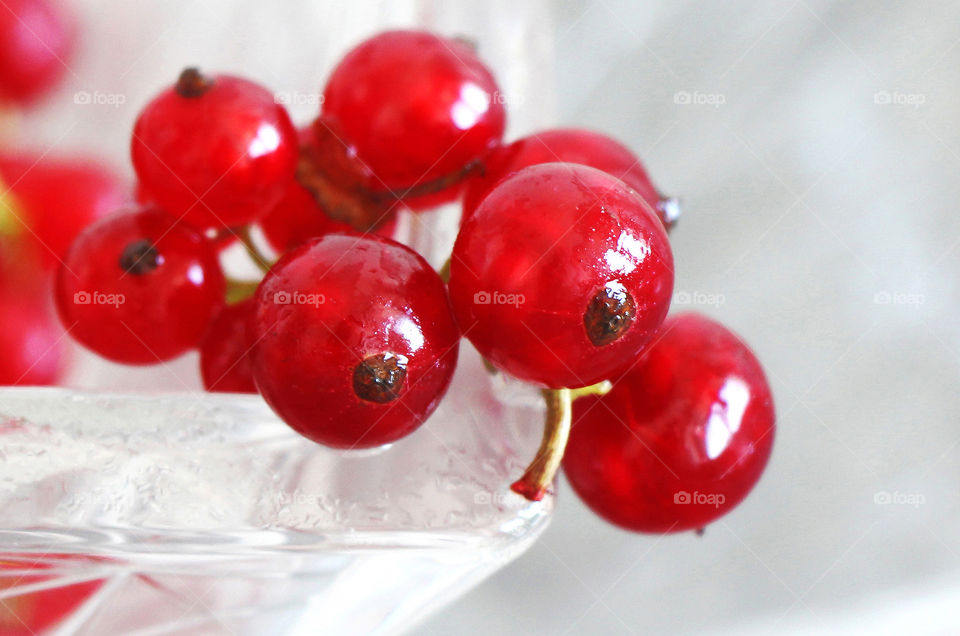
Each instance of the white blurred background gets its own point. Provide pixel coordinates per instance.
(816, 146)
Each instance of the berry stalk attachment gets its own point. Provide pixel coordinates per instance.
(540, 473)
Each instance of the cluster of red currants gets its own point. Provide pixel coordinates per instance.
(561, 276)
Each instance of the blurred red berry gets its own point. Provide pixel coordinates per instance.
(36, 40)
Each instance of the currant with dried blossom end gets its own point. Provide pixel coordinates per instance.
(217, 151)
(560, 278)
(139, 287)
(355, 340)
(561, 275)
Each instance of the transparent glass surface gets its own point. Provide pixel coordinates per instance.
(205, 514)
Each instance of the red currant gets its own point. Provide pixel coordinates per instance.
(139, 288)
(413, 108)
(58, 198)
(36, 39)
(225, 352)
(31, 340)
(561, 276)
(356, 341)
(217, 151)
(681, 439)
(573, 146)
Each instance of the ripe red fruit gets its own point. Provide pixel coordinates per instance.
(218, 151)
(31, 340)
(681, 439)
(36, 39)
(413, 107)
(571, 145)
(139, 287)
(57, 199)
(356, 342)
(561, 276)
(225, 352)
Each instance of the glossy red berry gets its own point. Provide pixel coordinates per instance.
(225, 352)
(356, 341)
(36, 39)
(413, 107)
(561, 276)
(57, 199)
(218, 150)
(32, 342)
(571, 145)
(139, 288)
(681, 439)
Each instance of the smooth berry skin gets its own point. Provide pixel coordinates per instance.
(163, 306)
(31, 340)
(225, 364)
(571, 145)
(335, 302)
(414, 107)
(217, 159)
(36, 42)
(57, 199)
(528, 263)
(681, 439)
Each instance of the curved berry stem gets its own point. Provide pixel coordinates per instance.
(540, 473)
(542, 470)
(253, 251)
